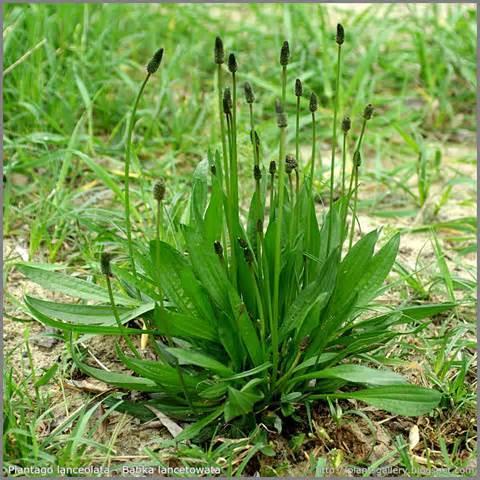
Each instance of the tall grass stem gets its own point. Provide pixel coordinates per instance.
(131, 125)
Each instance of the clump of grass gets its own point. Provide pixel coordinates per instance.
(249, 317)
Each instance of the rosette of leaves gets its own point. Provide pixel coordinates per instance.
(244, 318)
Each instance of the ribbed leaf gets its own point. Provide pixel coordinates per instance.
(214, 392)
(178, 281)
(198, 200)
(209, 270)
(239, 403)
(194, 429)
(213, 224)
(252, 371)
(405, 315)
(190, 357)
(325, 281)
(377, 271)
(87, 314)
(303, 304)
(183, 326)
(162, 374)
(138, 282)
(351, 271)
(61, 283)
(121, 380)
(250, 338)
(89, 328)
(355, 374)
(408, 400)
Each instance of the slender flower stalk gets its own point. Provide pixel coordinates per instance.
(340, 39)
(284, 60)
(107, 271)
(219, 60)
(313, 108)
(257, 174)
(159, 195)
(298, 94)
(232, 67)
(346, 125)
(152, 67)
(357, 160)
(291, 166)
(272, 170)
(232, 214)
(282, 124)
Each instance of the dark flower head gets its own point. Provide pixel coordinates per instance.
(105, 259)
(290, 163)
(247, 253)
(346, 124)
(257, 173)
(368, 112)
(298, 87)
(313, 103)
(249, 95)
(159, 190)
(213, 169)
(232, 63)
(340, 34)
(242, 242)
(285, 54)
(155, 62)
(272, 168)
(219, 53)
(227, 101)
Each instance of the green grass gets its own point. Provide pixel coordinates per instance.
(66, 108)
(33, 435)
(67, 105)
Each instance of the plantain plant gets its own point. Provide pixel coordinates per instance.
(248, 308)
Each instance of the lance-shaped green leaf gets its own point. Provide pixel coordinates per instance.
(82, 328)
(408, 400)
(194, 429)
(198, 200)
(355, 374)
(190, 357)
(178, 281)
(239, 403)
(74, 287)
(87, 314)
(164, 375)
(184, 326)
(120, 380)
